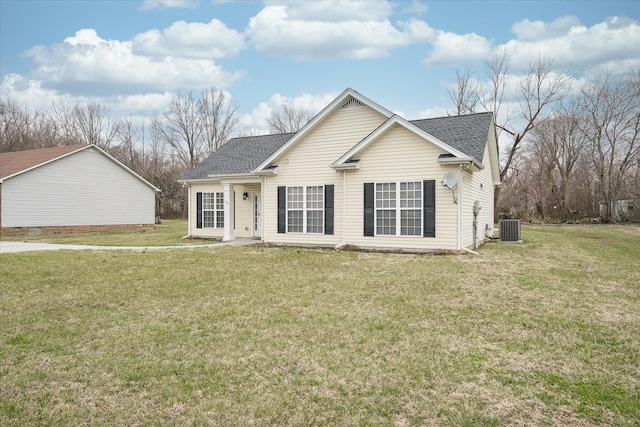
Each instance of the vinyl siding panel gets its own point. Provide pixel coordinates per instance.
(307, 163)
(243, 210)
(85, 188)
(400, 155)
(478, 186)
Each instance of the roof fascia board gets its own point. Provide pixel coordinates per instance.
(45, 163)
(346, 166)
(494, 155)
(238, 179)
(461, 161)
(395, 119)
(335, 104)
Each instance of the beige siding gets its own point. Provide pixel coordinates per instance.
(243, 210)
(400, 155)
(307, 163)
(85, 188)
(478, 186)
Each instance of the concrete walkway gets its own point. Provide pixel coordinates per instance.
(13, 247)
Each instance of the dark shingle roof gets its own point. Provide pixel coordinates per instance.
(464, 133)
(467, 134)
(238, 156)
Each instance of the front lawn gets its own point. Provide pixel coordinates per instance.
(539, 333)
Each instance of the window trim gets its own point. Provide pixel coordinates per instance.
(398, 209)
(306, 209)
(217, 210)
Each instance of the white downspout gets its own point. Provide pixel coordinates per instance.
(188, 212)
(263, 209)
(460, 203)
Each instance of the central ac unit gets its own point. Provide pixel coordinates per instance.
(509, 230)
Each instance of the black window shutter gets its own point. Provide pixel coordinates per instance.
(198, 210)
(282, 209)
(369, 203)
(429, 208)
(328, 209)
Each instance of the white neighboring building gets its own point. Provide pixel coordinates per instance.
(71, 188)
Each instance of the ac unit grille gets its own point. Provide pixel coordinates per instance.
(509, 230)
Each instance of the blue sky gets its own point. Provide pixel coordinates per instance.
(131, 56)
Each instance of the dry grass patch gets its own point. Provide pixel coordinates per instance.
(542, 333)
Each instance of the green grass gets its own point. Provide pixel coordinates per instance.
(169, 233)
(539, 333)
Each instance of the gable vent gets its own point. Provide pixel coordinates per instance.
(352, 104)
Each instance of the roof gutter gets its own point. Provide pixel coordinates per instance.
(465, 162)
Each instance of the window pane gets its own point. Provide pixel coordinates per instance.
(294, 221)
(208, 218)
(386, 222)
(315, 197)
(386, 195)
(220, 219)
(314, 221)
(410, 222)
(207, 200)
(219, 200)
(295, 198)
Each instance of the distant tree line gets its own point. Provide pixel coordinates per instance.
(567, 154)
(161, 148)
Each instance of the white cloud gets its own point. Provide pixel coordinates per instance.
(415, 8)
(86, 62)
(166, 4)
(454, 49)
(31, 93)
(612, 43)
(336, 29)
(194, 40)
(538, 30)
(335, 10)
(257, 121)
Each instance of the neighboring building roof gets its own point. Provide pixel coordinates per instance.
(238, 156)
(464, 133)
(18, 161)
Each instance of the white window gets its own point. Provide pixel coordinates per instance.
(213, 210)
(401, 200)
(305, 209)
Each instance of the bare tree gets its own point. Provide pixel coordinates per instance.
(94, 125)
(539, 90)
(558, 145)
(127, 135)
(466, 96)
(181, 129)
(289, 119)
(218, 118)
(611, 123)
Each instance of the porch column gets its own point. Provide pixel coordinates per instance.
(229, 209)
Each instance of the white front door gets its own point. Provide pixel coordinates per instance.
(256, 214)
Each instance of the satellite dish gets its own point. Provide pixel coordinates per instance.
(450, 180)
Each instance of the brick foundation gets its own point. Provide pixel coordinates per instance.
(75, 229)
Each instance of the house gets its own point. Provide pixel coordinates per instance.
(623, 210)
(357, 175)
(71, 188)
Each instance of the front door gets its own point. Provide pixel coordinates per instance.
(256, 214)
